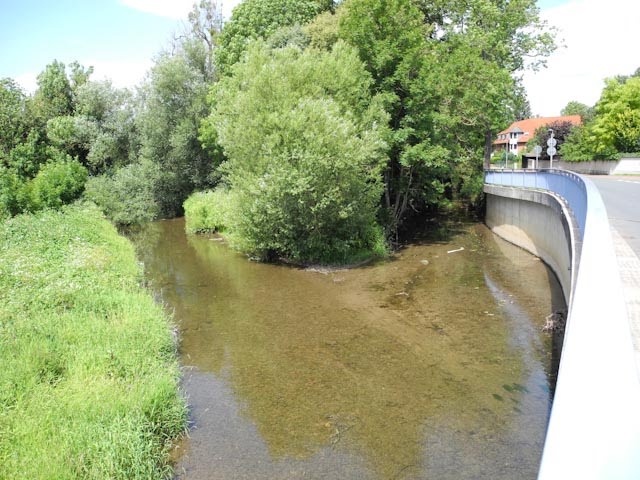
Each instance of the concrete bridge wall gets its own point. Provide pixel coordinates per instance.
(594, 428)
(540, 223)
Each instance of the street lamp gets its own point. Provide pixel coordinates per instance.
(551, 143)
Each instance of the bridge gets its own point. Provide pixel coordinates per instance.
(594, 427)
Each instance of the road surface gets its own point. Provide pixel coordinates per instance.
(621, 196)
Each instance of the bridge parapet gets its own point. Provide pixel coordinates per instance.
(594, 428)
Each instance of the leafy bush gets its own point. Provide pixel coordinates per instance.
(57, 183)
(304, 165)
(207, 211)
(128, 196)
(11, 191)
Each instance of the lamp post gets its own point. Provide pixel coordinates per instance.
(551, 143)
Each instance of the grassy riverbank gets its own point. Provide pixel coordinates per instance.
(88, 385)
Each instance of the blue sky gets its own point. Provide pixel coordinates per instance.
(121, 37)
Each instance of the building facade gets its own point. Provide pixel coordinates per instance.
(514, 139)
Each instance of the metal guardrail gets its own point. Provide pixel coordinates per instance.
(594, 428)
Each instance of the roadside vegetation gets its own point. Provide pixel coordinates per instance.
(88, 386)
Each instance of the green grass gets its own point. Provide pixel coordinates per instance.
(89, 378)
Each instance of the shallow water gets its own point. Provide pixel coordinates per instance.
(429, 365)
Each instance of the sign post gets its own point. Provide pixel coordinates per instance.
(537, 150)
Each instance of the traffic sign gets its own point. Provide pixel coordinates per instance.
(552, 142)
(537, 149)
(551, 151)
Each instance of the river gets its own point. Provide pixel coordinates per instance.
(429, 365)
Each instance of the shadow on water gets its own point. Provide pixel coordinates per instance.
(432, 365)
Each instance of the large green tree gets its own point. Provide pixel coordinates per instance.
(172, 105)
(304, 141)
(448, 73)
(617, 121)
(102, 132)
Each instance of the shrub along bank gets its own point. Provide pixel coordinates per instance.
(89, 378)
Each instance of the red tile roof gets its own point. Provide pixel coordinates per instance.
(530, 125)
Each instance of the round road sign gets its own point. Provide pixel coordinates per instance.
(552, 142)
(551, 151)
(537, 149)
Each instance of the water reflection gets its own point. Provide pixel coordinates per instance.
(425, 366)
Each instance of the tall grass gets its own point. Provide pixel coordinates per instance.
(89, 377)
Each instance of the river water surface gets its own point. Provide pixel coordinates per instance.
(430, 365)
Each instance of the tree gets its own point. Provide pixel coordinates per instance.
(576, 108)
(304, 142)
(617, 121)
(173, 104)
(561, 132)
(447, 71)
(258, 19)
(12, 115)
(53, 98)
(206, 24)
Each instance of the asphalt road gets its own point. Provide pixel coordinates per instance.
(621, 196)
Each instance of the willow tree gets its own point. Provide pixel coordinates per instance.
(304, 140)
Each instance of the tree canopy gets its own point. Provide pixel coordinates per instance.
(350, 116)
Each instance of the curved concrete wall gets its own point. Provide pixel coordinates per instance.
(594, 428)
(540, 223)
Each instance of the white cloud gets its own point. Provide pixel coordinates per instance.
(121, 74)
(28, 81)
(178, 9)
(601, 41)
(227, 7)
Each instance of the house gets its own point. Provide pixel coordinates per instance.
(514, 139)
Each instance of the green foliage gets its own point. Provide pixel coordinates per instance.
(25, 158)
(323, 30)
(12, 193)
(615, 126)
(445, 69)
(504, 158)
(12, 115)
(305, 145)
(208, 211)
(89, 384)
(259, 19)
(128, 196)
(617, 121)
(53, 98)
(577, 146)
(174, 103)
(290, 36)
(576, 108)
(58, 183)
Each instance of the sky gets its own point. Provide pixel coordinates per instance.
(120, 38)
